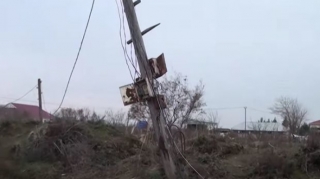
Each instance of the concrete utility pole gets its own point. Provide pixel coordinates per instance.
(245, 119)
(165, 143)
(40, 100)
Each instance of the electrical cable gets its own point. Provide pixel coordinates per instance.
(136, 62)
(168, 129)
(44, 102)
(125, 39)
(124, 47)
(224, 108)
(76, 60)
(55, 104)
(21, 100)
(258, 110)
(163, 113)
(121, 40)
(20, 97)
(161, 110)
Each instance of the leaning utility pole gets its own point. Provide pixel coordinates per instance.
(40, 100)
(165, 143)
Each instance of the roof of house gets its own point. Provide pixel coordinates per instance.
(31, 110)
(315, 122)
(9, 105)
(259, 126)
(223, 129)
(194, 121)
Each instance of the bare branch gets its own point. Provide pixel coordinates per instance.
(212, 117)
(115, 117)
(182, 102)
(291, 111)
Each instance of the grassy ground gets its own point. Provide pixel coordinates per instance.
(77, 150)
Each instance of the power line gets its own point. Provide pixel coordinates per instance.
(155, 91)
(124, 47)
(31, 101)
(224, 108)
(258, 110)
(55, 104)
(125, 39)
(44, 103)
(74, 65)
(20, 97)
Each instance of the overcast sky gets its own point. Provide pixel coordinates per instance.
(246, 52)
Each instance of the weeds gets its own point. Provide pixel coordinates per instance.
(82, 150)
(273, 165)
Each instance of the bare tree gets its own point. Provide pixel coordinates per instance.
(82, 114)
(212, 118)
(291, 111)
(67, 114)
(258, 126)
(115, 117)
(139, 111)
(182, 102)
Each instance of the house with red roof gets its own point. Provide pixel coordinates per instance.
(23, 111)
(315, 125)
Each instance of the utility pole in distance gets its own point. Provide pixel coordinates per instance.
(245, 119)
(165, 143)
(40, 100)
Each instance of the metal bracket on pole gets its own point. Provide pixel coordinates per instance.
(165, 143)
(158, 66)
(144, 32)
(137, 2)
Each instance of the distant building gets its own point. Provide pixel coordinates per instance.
(259, 127)
(200, 124)
(223, 130)
(315, 125)
(22, 111)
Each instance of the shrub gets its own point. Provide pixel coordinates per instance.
(274, 165)
(205, 144)
(309, 155)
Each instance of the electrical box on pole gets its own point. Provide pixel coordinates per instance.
(144, 89)
(139, 91)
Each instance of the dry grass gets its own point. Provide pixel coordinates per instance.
(74, 149)
(87, 150)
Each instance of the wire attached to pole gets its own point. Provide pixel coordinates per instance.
(20, 97)
(139, 45)
(164, 116)
(75, 63)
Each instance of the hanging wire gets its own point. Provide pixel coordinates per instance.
(76, 60)
(134, 65)
(124, 47)
(44, 102)
(20, 97)
(258, 110)
(155, 92)
(224, 108)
